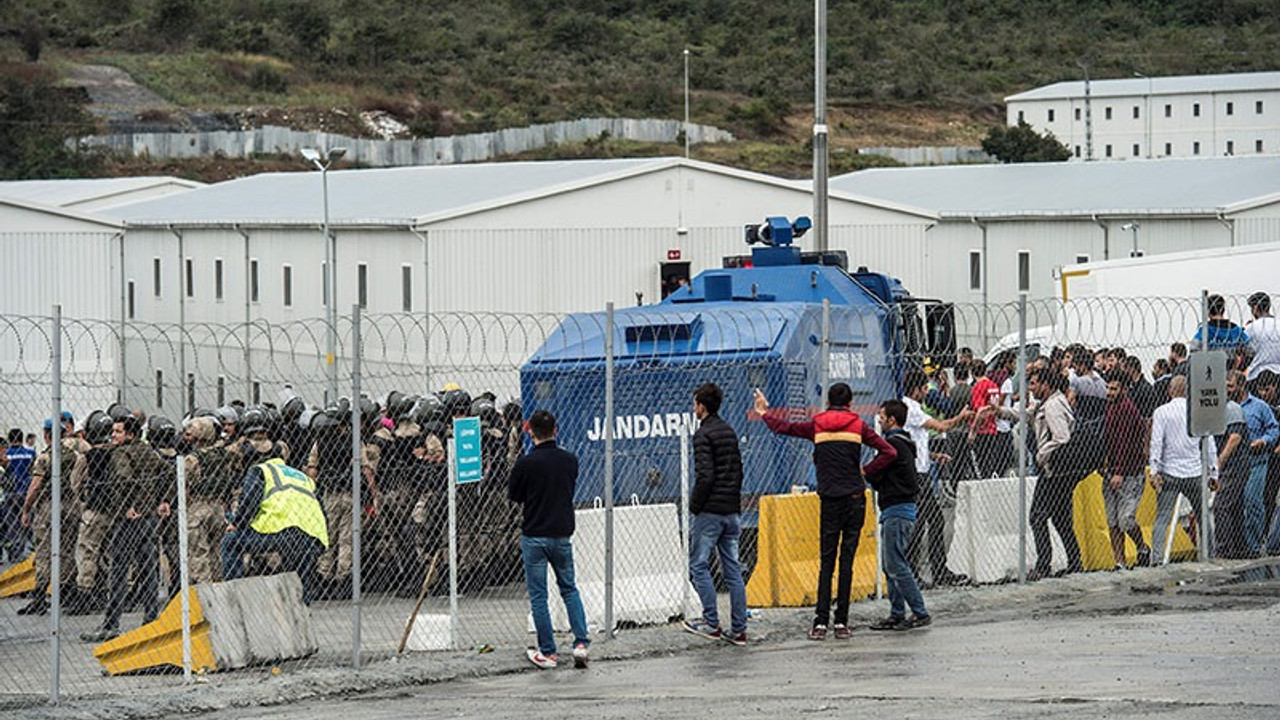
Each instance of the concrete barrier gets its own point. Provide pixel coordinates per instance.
(984, 543)
(234, 624)
(786, 572)
(648, 567)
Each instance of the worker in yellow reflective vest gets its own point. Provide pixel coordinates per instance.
(278, 513)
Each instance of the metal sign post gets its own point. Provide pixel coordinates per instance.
(1206, 416)
(465, 466)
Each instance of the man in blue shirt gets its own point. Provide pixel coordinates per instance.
(1263, 433)
(14, 538)
(1223, 334)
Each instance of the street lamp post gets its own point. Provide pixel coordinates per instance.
(330, 280)
(686, 103)
(1147, 110)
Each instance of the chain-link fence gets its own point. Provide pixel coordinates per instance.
(363, 528)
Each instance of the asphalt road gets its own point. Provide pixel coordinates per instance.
(1221, 663)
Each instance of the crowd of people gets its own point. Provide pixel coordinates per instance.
(1094, 410)
(268, 488)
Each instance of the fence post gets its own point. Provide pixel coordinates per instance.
(824, 368)
(1022, 438)
(55, 545)
(608, 469)
(357, 507)
(684, 513)
(1203, 510)
(184, 570)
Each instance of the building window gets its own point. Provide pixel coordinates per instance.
(257, 393)
(1231, 147)
(1168, 111)
(362, 284)
(1077, 151)
(1168, 149)
(1195, 148)
(159, 389)
(1108, 151)
(1077, 113)
(1136, 114)
(1024, 271)
(1195, 110)
(1137, 150)
(1020, 116)
(253, 281)
(217, 280)
(1050, 114)
(222, 391)
(975, 270)
(191, 390)
(1107, 114)
(130, 294)
(406, 288)
(1082, 259)
(1231, 108)
(1257, 107)
(155, 276)
(189, 277)
(324, 284)
(1257, 147)
(288, 286)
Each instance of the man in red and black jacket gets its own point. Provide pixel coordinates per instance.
(838, 435)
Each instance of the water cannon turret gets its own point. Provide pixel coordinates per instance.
(776, 234)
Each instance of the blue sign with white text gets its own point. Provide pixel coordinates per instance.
(466, 450)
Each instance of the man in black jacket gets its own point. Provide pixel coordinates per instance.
(896, 494)
(716, 524)
(543, 482)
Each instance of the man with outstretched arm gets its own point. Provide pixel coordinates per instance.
(838, 435)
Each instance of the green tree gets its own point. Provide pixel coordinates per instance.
(1021, 143)
(36, 121)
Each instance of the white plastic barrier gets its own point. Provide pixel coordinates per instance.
(984, 544)
(648, 567)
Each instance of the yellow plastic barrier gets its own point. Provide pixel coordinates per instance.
(1095, 538)
(786, 571)
(159, 643)
(234, 624)
(20, 578)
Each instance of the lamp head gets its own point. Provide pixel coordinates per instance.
(310, 154)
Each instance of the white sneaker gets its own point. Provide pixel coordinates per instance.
(580, 656)
(544, 662)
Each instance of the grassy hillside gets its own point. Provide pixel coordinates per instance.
(448, 66)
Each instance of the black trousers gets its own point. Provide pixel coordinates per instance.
(132, 544)
(839, 525)
(1052, 501)
(930, 520)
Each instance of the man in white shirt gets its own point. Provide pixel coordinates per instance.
(1264, 336)
(916, 386)
(1175, 464)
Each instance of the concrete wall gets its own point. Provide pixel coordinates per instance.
(390, 153)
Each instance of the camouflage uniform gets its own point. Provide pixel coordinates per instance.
(41, 510)
(330, 464)
(396, 565)
(209, 484)
(94, 490)
(141, 480)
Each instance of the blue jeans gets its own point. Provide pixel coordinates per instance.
(538, 552)
(1255, 507)
(298, 551)
(709, 532)
(903, 590)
